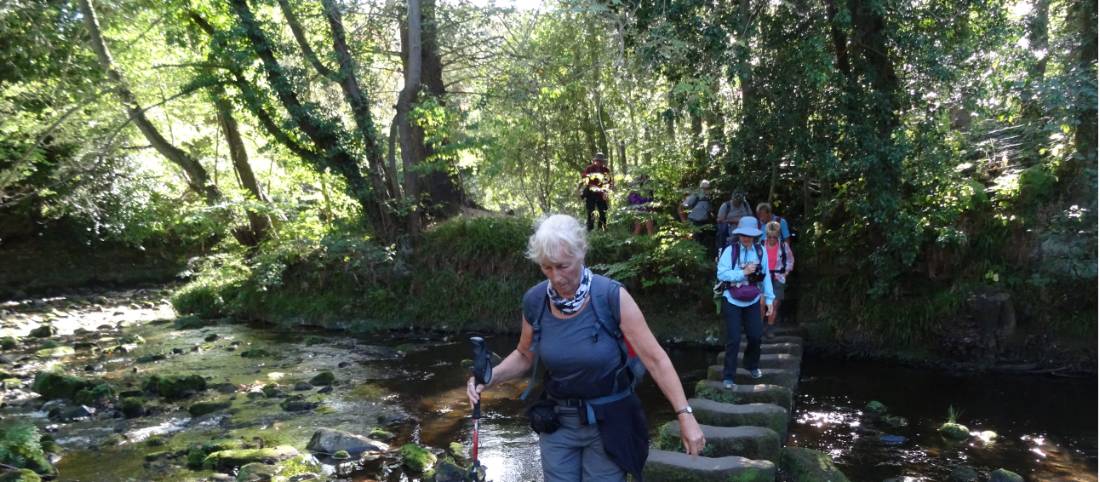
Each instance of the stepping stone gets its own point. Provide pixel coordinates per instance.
(774, 360)
(665, 466)
(807, 464)
(785, 339)
(742, 394)
(718, 414)
(772, 376)
(769, 348)
(757, 443)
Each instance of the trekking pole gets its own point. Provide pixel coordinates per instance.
(483, 373)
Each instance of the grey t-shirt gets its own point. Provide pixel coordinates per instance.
(699, 205)
(580, 365)
(732, 216)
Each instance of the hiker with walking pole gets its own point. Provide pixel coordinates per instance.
(594, 345)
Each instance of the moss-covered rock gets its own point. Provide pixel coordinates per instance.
(806, 465)
(43, 331)
(175, 386)
(298, 403)
(98, 395)
(56, 385)
(21, 475)
(191, 322)
(417, 459)
(379, 433)
(9, 342)
(224, 460)
(199, 409)
(325, 378)
(256, 472)
(150, 358)
(257, 353)
(55, 352)
(954, 431)
(895, 421)
(21, 447)
(963, 473)
(1004, 475)
(875, 407)
(132, 407)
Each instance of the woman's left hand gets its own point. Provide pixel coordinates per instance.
(691, 435)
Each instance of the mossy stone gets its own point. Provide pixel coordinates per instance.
(175, 386)
(43, 331)
(199, 409)
(257, 472)
(378, 433)
(55, 352)
(807, 465)
(256, 353)
(416, 458)
(224, 460)
(21, 475)
(1005, 475)
(875, 407)
(132, 407)
(96, 395)
(9, 342)
(954, 431)
(191, 322)
(325, 378)
(54, 385)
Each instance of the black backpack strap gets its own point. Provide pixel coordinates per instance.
(534, 306)
(608, 317)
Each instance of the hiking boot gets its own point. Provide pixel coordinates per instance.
(756, 374)
(728, 384)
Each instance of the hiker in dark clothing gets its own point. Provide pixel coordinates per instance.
(596, 191)
(589, 334)
(729, 214)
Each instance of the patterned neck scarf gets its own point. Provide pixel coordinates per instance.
(571, 305)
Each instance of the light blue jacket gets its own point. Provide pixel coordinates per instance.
(733, 273)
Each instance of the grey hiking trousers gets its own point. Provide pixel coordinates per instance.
(574, 453)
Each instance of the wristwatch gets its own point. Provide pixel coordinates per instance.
(686, 409)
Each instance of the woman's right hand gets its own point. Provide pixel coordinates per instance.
(750, 269)
(473, 391)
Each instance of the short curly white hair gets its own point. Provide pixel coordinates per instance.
(557, 238)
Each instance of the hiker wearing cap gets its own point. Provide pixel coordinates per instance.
(597, 183)
(743, 266)
(729, 213)
(696, 208)
(592, 339)
(764, 216)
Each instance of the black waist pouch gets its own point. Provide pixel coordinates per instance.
(542, 416)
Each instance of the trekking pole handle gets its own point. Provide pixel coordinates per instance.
(482, 368)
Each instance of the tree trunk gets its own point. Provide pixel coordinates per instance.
(196, 175)
(360, 105)
(1032, 111)
(411, 145)
(259, 223)
(1082, 15)
(322, 135)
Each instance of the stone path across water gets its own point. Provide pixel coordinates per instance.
(746, 428)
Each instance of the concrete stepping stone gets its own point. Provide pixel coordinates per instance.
(719, 414)
(741, 394)
(769, 348)
(772, 376)
(757, 443)
(773, 360)
(667, 466)
(785, 339)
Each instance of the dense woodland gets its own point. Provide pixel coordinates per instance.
(320, 162)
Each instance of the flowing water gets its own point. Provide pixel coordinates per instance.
(1046, 428)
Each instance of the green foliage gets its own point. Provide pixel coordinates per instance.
(20, 447)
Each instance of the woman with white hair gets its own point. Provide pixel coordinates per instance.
(589, 334)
